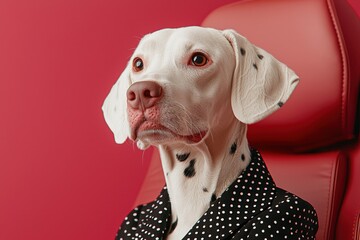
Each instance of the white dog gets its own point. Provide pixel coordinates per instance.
(190, 92)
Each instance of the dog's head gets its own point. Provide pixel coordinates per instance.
(182, 84)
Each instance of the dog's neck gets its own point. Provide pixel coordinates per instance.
(196, 175)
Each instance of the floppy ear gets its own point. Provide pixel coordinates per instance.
(114, 108)
(261, 84)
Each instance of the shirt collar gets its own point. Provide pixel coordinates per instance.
(251, 193)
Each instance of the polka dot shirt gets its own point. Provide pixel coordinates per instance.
(251, 208)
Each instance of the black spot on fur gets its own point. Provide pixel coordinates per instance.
(182, 157)
(243, 157)
(260, 56)
(205, 189)
(213, 198)
(242, 51)
(233, 148)
(173, 226)
(280, 104)
(190, 170)
(255, 66)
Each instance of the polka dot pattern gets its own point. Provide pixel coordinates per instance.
(148, 221)
(251, 208)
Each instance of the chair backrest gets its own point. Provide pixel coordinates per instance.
(316, 38)
(307, 36)
(301, 142)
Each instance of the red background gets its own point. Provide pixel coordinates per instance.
(61, 174)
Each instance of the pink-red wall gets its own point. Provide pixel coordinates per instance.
(61, 174)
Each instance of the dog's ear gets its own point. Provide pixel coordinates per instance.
(114, 108)
(261, 84)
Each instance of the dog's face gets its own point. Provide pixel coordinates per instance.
(193, 68)
(181, 85)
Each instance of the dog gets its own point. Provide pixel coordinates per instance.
(191, 93)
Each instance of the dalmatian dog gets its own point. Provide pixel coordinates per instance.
(191, 93)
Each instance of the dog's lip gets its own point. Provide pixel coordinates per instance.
(195, 138)
(156, 131)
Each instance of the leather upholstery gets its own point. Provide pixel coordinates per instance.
(310, 145)
(321, 176)
(305, 35)
(323, 49)
(348, 221)
(357, 228)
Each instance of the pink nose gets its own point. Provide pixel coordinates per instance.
(143, 95)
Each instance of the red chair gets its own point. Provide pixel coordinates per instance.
(310, 145)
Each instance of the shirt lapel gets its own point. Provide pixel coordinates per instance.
(156, 221)
(251, 193)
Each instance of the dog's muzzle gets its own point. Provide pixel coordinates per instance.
(144, 115)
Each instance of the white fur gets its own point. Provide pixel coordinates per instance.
(219, 99)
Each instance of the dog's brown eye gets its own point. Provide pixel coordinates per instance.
(198, 59)
(138, 64)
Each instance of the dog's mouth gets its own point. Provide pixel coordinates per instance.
(155, 133)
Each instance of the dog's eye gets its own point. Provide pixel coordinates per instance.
(198, 59)
(138, 64)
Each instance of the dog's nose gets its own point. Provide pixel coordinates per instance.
(143, 95)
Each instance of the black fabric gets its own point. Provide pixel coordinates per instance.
(251, 208)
